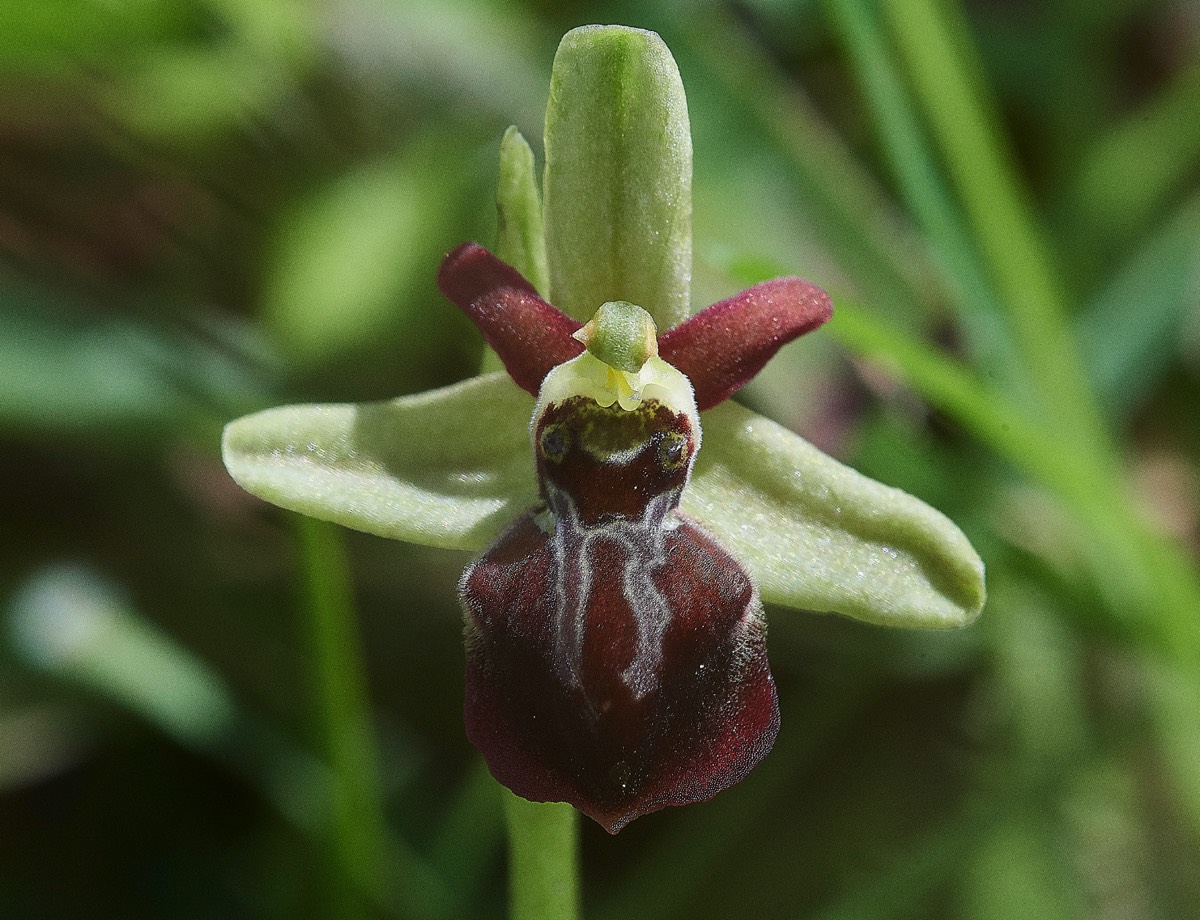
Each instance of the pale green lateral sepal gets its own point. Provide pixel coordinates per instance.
(819, 536)
(448, 468)
(520, 236)
(618, 189)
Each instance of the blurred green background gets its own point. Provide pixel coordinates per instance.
(213, 206)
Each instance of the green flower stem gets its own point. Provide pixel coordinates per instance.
(357, 834)
(935, 55)
(543, 860)
(470, 833)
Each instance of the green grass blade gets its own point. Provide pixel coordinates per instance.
(857, 223)
(343, 713)
(1131, 172)
(1129, 332)
(935, 51)
(1152, 586)
(920, 181)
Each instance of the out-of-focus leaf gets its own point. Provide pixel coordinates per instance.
(1176, 693)
(833, 196)
(1113, 859)
(923, 187)
(1021, 870)
(469, 53)
(1130, 330)
(1039, 675)
(70, 622)
(1148, 579)
(472, 831)
(346, 259)
(55, 373)
(939, 56)
(447, 468)
(35, 744)
(189, 95)
(953, 388)
(45, 35)
(1130, 173)
(62, 369)
(819, 536)
(280, 30)
(618, 193)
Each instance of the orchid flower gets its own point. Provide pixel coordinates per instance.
(633, 520)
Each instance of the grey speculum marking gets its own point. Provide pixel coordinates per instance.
(612, 481)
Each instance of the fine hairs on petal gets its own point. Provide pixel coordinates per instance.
(722, 348)
(616, 658)
(530, 336)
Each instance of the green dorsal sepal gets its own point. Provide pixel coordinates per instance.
(622, 335)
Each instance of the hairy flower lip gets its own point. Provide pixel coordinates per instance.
(720, 349)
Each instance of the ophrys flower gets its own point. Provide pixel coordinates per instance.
(616, 652)
(635, 558)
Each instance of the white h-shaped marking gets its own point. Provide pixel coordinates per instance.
(644, 544)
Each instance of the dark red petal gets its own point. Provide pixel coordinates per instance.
(721, 349)
(560, 726)
(530, 336)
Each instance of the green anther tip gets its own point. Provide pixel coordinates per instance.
(622, 335)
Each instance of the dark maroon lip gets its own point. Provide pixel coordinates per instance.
(616, 660)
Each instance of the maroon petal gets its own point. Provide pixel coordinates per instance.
(721, 349)
(530, 336)
(619, 662)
